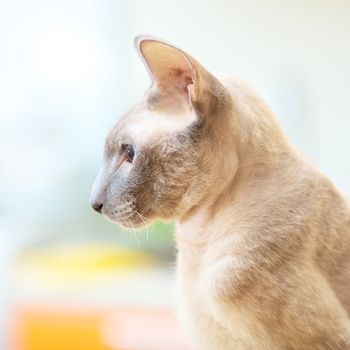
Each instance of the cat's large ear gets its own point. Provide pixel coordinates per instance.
(174, 72)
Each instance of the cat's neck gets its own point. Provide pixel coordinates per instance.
(264, 157)
(229, 212)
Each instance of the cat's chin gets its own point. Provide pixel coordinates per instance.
(129, 224)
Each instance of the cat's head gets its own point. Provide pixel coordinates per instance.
(169, 154)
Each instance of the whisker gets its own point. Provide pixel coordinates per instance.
(129, 236)
(148, 224)
(143, 220)
(148, 220)
(135, 233)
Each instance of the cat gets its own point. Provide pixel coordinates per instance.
(263, 237)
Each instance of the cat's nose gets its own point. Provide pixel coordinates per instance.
(96, 205)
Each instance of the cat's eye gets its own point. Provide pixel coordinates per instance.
(129, 152)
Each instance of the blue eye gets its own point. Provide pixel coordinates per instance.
(129, 151)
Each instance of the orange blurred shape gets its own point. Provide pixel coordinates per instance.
(57, 330)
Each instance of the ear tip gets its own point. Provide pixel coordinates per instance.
(139, 39)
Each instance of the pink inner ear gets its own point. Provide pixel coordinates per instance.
(177, 79)
(170, 68)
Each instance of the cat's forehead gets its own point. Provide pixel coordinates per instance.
(145, 126)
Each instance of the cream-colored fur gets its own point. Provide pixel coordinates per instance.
(149, 125)
(263, 238)
(268, 265)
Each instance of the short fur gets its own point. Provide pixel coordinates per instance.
(263, 238)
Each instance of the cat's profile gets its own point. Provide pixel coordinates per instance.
(263, 238)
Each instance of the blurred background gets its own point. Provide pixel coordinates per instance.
(68, 71)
